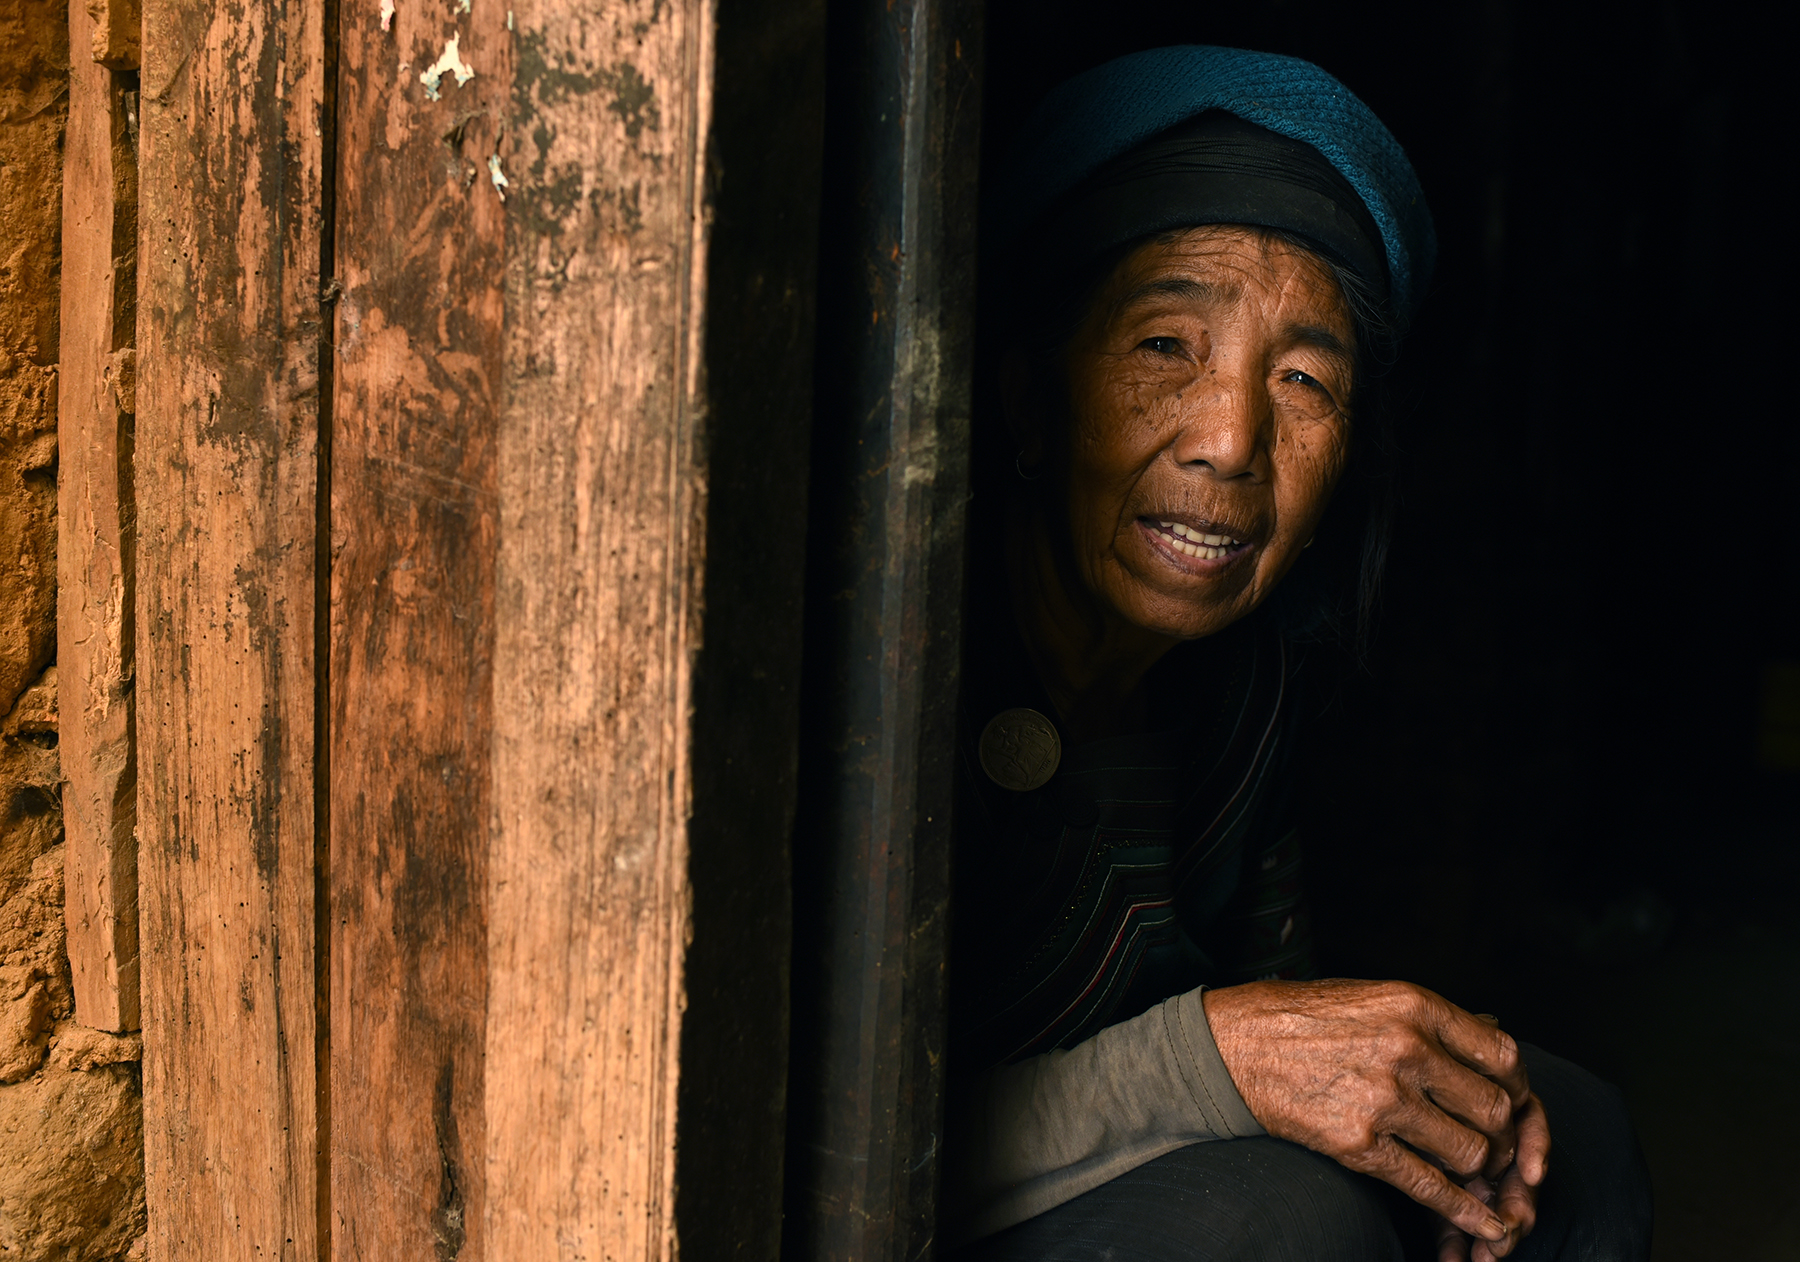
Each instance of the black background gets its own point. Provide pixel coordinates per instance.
(1542, 794)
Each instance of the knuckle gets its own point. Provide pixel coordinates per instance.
(1401, 997)
(1385, 1096)
(1365, 1158)
(1497, 1110)
(1410, 994)
(1353, 1138)
(1473, 1156)
(1396, 1046)
(1423, 1183)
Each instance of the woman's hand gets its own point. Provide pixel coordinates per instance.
(1512, 1191)
(1393, 1081)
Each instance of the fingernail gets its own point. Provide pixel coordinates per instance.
(1493, 1228)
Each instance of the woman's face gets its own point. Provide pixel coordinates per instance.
(1208, 390)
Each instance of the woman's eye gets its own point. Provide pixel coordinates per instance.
(1162, 345)
(1316, 387)
(1310, 381)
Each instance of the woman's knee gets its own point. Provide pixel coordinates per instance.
(1302, 1205)
(1246, 1200)
(1595, 1204)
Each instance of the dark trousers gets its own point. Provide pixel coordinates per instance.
(1266, 1200)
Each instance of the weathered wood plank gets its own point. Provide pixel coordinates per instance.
(229, 256)
(601, 495)
(95, 527)
(517, 522)
(420, 232)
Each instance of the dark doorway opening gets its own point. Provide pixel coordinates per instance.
(1564, 787)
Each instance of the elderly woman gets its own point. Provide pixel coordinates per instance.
(1205, 258)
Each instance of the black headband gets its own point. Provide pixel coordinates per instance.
(1218, 169)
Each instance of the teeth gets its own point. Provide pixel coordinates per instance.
(1199, 550)
(1197, 544)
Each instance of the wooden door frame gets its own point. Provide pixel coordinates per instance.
(891, 479)
(473, 434)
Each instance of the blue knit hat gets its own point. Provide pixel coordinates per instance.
(1103, 114)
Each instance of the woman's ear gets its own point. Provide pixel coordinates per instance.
(1018, 398)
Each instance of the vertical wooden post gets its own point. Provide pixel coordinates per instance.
(95, 517)
(229, 256)
(564, 642)
(885, 595)
(563, 534)
(602, 499)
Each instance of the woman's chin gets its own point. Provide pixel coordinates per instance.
(1182, 611)
(1168, 591)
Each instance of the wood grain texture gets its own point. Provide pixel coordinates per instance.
(519, 525)
(420, 232)
(601, 513)
(526, 785)
(95, 544)
(226, 468)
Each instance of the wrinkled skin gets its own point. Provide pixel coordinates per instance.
(1210, 387)
(1360, 1070)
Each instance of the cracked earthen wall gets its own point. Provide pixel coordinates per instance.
(71, 1129)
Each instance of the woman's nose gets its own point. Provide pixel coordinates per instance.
(1226, 431)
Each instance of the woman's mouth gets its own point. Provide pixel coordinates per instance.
(1192, 541)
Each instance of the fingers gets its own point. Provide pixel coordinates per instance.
(1484, 1250)
(1517, 1206)
(1533, 1128)
(1428, 1128)
(1391, 1162)
(1483, 1104)
(1484, 1047)
(1516, 1203)
(1452, 1245)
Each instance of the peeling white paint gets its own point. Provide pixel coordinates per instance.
(387, 15)
(450, 63)
(501, 183)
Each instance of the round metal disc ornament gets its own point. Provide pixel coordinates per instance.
(1020, 749)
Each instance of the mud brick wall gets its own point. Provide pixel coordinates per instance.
(71, 1130)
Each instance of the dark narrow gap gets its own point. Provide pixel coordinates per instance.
(126, 83)
(322, 554)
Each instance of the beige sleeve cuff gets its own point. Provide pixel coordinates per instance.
(1045, 1130)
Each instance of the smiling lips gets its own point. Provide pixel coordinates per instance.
(1195, 543)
